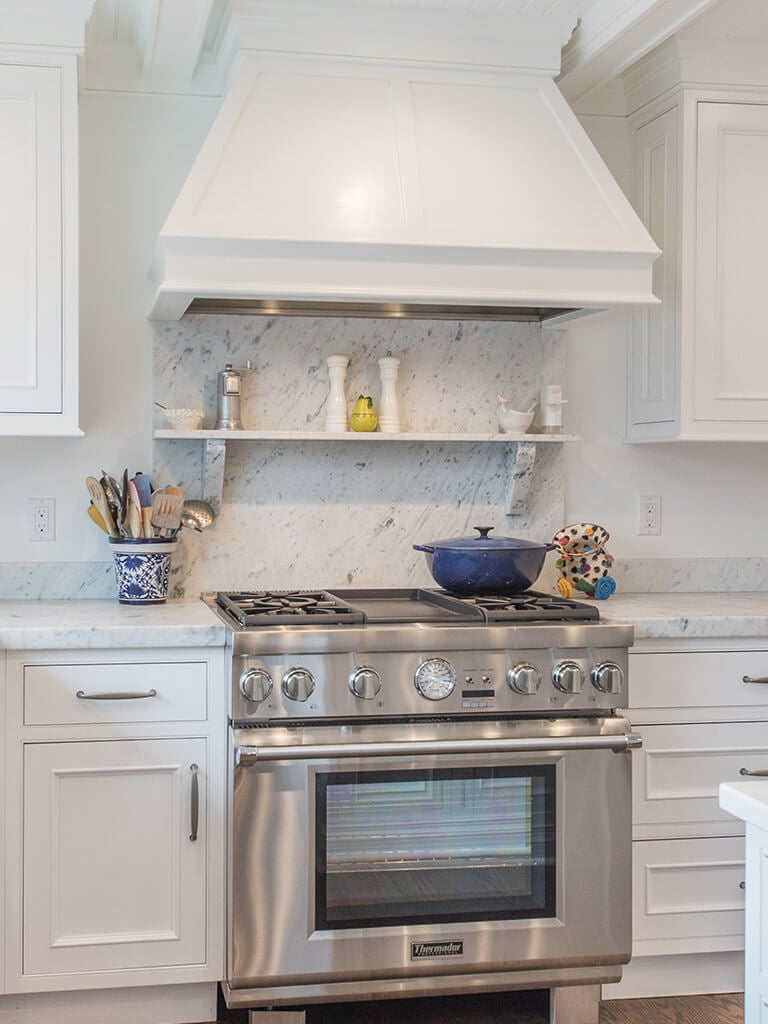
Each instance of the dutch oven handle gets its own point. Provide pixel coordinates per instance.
(424, 547)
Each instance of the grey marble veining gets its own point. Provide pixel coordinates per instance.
(691, 575)
(318, 513)
(688, 615)
(58, 625)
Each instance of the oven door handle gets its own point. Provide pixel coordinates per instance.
(247, 755)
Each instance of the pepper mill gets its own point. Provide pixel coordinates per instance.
(389, 411)
(228, 397)
(336, 409)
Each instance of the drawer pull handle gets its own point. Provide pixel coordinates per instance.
(760, 772)
(194, 809)
(742, 885)
(82, 695)
(751, 679)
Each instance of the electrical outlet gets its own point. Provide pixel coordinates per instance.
(649, 514)
(42, 518)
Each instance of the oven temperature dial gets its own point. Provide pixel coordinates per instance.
(607, 677)
(255, 685)
(298, 684)
(568, 677)
(435, 679)
(365, 682)
(524, 678)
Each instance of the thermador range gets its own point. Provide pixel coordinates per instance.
(430, 795)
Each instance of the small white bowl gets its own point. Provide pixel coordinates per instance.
(185, 419)
(513, 422)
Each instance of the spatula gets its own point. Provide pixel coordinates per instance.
(144, 491)
(166, 512)
(96, 516)
(134, 524)
(99, 499)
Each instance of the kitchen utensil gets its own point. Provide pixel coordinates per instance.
(99, 499)
(551, 409)
(166, 512)
(144, 491)
(112, 491)
(134, 523)
(97, 517)
(197, 515)
(389, 411)
(336, 406)
(124, 505)
(483, 564)
(510, 420)
(228, 390)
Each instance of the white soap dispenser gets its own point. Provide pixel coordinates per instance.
(551, 409)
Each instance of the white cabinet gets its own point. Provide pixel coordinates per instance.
(116, 796)
(114, 855)
(38, 244)
(698, 364)
(701, 723)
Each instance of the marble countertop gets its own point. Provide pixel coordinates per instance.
(55, 625)
(677, 616)
(746, 800)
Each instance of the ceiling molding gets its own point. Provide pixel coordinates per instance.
(171, 36)
(45, 23)
(613, 34)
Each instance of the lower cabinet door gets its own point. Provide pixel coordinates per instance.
(688, 896)
(114, 855)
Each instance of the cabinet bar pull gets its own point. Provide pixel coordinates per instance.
(760, 772)
(750, 679)
(126, 695)
(194, 809)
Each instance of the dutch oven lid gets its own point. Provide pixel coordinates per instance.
(485, 543)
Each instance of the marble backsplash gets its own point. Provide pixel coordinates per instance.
(336, 513)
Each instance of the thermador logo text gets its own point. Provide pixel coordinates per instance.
(424, 949)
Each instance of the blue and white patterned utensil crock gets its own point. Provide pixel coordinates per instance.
(142, 566)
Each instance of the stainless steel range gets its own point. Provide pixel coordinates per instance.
(430, 794)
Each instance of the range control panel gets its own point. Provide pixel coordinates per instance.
(335, 685)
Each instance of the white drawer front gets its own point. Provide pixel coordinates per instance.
(122, 692)
(698, 679)
(687, 896)
(676, 774)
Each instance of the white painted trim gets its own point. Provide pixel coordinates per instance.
(170, 1004)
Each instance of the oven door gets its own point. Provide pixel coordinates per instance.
(417, 850)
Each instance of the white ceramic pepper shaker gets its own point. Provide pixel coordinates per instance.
(551, 409)
(389, 410)
(336, 409)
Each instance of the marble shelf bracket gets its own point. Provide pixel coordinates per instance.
(214, 460)
(522, 456)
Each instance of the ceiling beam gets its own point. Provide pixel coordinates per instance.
(613, 34)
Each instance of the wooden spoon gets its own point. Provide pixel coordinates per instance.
(99, 499)
(96, 516)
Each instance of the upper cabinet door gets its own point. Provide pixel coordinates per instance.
(731, 358)
(38, 248)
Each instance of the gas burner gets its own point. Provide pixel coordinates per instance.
(263, 607)
(531, 606)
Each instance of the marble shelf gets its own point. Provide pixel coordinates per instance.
(522, 452)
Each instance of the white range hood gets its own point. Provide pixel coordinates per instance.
(377, 159)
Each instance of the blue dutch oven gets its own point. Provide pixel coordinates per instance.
(483, 564)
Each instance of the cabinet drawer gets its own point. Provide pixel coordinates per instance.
(677, 771)
(115, 692)
(698, 679)
(686, 896)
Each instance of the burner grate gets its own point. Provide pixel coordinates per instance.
(294, 607)
(531, 606)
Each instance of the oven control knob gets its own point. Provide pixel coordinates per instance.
(608, 677)
(298, 684)
(255, 685)
(568, 677)
(435, 679)
(365, 682)
(524, 678)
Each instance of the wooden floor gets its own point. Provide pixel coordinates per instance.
(518, 1008)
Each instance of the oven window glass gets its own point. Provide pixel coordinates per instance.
(402, 847)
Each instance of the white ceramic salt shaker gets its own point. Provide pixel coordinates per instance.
(389, 410)
(336, 409)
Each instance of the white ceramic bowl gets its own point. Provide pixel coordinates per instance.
(185, 419)
(513, 422)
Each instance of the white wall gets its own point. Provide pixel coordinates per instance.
(135, 152)
(714, 496)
